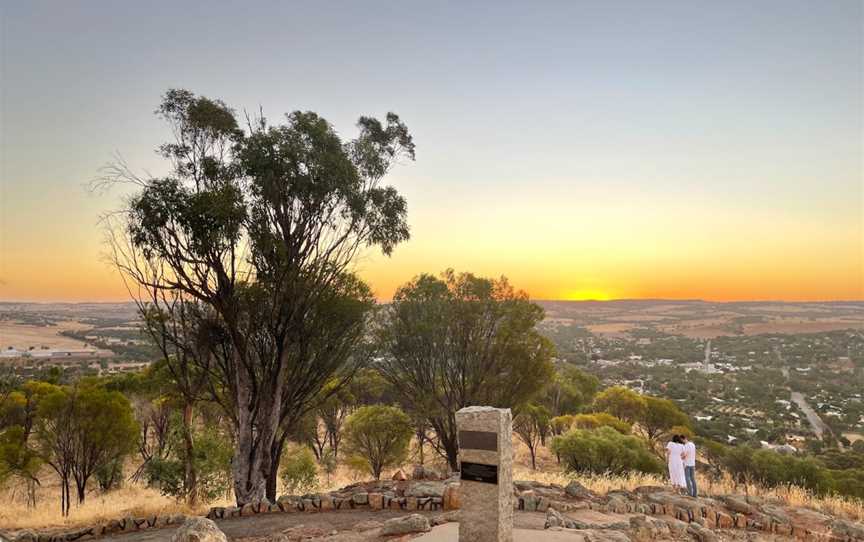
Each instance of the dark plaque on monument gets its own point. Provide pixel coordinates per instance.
(478, 440)
(478, 472)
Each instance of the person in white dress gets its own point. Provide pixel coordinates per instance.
(675, 460)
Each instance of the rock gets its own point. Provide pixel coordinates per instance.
(399, 476)
(807, 520)
(603, 535)
(644, 528)
(523, 485)
(676, 527)
(415, 523)
(776, 513)
(26, 536)
(422, 472)
(447, 517)
(426, 489)
(576, 490)
(553, 519)
(196, 529)
(738, 504)
(701, 534)
(529, 501)
(451, 497)
(367, 525)
(848, 529)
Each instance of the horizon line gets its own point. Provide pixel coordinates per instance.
(541, 300)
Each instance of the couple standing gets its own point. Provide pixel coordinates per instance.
(681, 458)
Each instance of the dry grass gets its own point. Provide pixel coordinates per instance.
(136, 500)
(132, 500)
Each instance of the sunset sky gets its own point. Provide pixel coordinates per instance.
(692, 149)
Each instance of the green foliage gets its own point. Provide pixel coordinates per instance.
(80, 429)
(622, 403)
(109, 475)
(849, 482)
(660, 416)
(835, 459)
(298, 472)
(561, 424)
(600, 419)
(17, 460)
(211, 459)
(377, 437)
(604, 450)
(462, 340)
(570, 390)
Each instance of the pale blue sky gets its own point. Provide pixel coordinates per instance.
(715, 117)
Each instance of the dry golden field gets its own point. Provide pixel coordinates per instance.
(24, 336)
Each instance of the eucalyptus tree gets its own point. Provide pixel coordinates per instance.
(259, 227)
(461, 340)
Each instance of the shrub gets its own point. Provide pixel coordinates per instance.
(298, 472)
(600, 419)
(110, 475)
(561, 424)
(212, 461)
(377, 437)
(604, 450)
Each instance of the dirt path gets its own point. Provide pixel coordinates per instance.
(267, 524)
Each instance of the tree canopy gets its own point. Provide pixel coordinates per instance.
(461, 340)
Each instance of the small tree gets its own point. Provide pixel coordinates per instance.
(462, 340)
(81, 429)
(621, 402)
(570, 390)
(531, 425)
(659, 417)
(377, 437)
(17, 460)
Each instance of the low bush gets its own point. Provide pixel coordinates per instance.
(298, 472)
(604, 450)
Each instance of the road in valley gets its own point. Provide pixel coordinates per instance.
(819, 427)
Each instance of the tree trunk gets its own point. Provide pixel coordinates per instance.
(447, 439)
(190, 476)
(64, 495)
(81, 486)
(257, 425)
(31, 493)
(273, 475)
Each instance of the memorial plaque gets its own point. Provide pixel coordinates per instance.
(478, 440)
(478, 472)
(486, 474)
